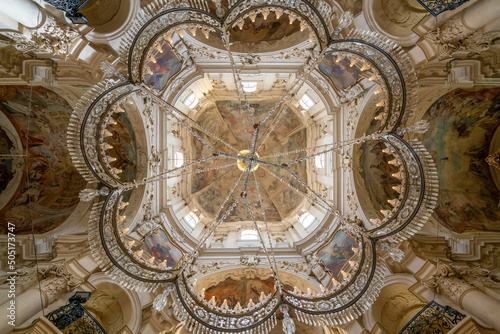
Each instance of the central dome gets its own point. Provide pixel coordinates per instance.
(230, 122)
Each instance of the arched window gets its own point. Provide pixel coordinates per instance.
(249, 86)
(249, 235)
(191, 219)
(178, 159)
(307, 219)
(319, 160)
(191, 101)
(306, 102)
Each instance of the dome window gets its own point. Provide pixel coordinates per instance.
(306, 102)
(191, 101)
(249, 235)
(249, 86)
(191, 219)
(319, 161)
(307, 220)
(178, 159)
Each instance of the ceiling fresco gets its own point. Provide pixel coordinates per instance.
(6, 165)
(274, 33)
(163, 67)
(340, 71)
(126, 147)
(374, 178)
(262, 35)
(160, 246)
(462, 123)
(210, 188)
(54, 184)
(240, 290)
(337, 252)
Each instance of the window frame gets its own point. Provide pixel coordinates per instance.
(307, 220)
(249, 86)
(306, 101)
(178, 164)
(245, 235)
(194, 101)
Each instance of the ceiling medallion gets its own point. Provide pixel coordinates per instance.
(155, 66)
(248, 161)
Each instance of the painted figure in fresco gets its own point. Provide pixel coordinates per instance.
(159, 246)
(338, 251)
(54, 182)
(162, 253)
(165, 67)
(341, 74)
(461, 126)
(336, 256)
(265, 30)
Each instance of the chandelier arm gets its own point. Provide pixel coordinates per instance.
(338, 146)
(197, 136)
(336, 212)
(237, 83)
(170, 110)
(295, 151)
(266, 163)
(332, 209)
(245, 183)
(296, 87)
(203, 170)
(344, 223)
(267, 230)
(229, 156)
(294, 188)
(271, 263)
(415, 128)
(213, 228)
(254, 138)
(252, 160)
(214, 224)
(162, 175)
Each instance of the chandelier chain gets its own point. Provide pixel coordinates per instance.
(215, 223)
(271, 264)
(162, 175)
(268, 233)
(295, 151)
(238, 84)
(339, 146)
(170, 110)
(296, 87)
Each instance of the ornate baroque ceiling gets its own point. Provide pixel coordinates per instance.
(254, 164)
(198, 140)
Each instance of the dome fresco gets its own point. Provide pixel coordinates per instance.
(53, 184)
(462, 124)
(243, 162)
(211, 187)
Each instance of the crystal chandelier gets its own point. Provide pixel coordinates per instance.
(345, 298)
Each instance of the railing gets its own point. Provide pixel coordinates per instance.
(436, 7)
(71, 7)
(433, 318)
(74, 318)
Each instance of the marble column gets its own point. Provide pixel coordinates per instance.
(450, 283)
(25, 12)
(26, 305)
(481, 13)
(56, 282)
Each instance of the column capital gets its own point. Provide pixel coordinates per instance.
(449, 282)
